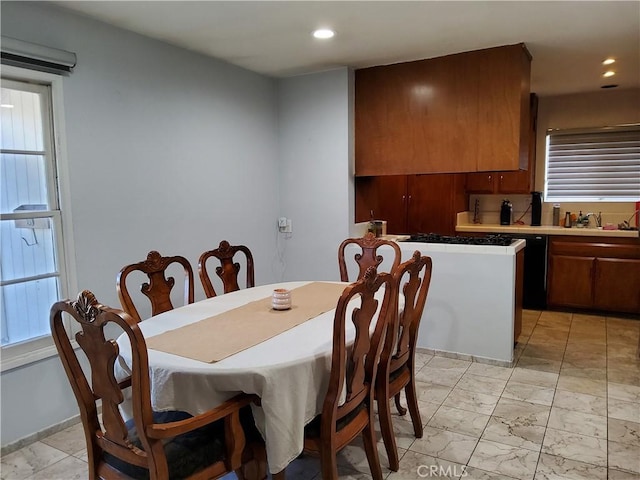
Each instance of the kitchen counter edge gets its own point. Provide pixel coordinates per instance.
(545, 230)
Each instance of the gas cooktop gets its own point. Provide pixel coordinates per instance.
(499, 240)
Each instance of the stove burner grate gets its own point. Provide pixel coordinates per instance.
(497, 240)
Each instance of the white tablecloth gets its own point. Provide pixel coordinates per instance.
(288, 372)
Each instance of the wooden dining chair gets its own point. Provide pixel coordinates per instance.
(346, 409)
(396, 370)
(227, 271)
(367, 256)
(158, 289)
(156, 445)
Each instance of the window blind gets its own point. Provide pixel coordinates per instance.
(593, 165)
(36, 57)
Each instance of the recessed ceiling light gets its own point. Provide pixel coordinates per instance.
(323, 33)
(609, 61)
(6, 105)
(609, 73)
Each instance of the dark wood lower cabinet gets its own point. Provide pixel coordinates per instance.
(594, 273)
(617, 285)
(412, 203)
(570, 281)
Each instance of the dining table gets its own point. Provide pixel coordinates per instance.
(289, 371)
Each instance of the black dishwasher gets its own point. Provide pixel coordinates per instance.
(535, 271)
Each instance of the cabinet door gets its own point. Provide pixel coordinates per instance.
(570, 281)
(480, 182)
(434, 201)
(465, 112)
(499, 182)
(503, 120)
(386, 196)
(417, 117)
(617, 285)
(513, 182)
(523, 181)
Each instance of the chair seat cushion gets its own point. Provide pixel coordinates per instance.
(312, 429)
(395, 374)
(187, 453)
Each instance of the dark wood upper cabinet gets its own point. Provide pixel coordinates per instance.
(503, 108)
(459, 113)
(519, 181)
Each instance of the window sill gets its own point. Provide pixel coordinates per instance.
(10, 361)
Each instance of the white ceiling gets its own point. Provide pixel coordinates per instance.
(567, 39)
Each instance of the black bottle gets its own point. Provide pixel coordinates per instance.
(536, 209)
(505, 212)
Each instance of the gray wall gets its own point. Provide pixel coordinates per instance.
(316, 181)
(174, 151)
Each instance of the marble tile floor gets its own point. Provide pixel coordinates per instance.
(569, 409)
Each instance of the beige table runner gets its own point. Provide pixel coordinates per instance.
(217, 337)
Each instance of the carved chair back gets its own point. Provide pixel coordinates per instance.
(158, 288)
(413, 278)
(228, 270)
(346, 410)
(119, 448)
(102, 353)
(396, 370)
(368, 256)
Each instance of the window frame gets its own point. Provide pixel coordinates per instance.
(584, 131)
(29, 351)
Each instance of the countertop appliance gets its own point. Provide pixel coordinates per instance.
(506, 210)
(536, 209)
(498, 240)
(535, 271)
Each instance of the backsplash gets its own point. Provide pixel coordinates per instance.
(613, 213)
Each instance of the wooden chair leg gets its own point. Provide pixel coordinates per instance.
(369, 437)
(388, 435)
(412, 403)
(256, 467)
(399, 407)
(328, 464)
(278, 476)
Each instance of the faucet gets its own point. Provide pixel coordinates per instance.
(625, 225)
(598, 218)
(585, 219)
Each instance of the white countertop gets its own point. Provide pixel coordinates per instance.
(515, 246)
(545, 230)
(463, 224)
(427, 248)
(396, 238)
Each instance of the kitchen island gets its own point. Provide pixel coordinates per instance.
(474, 306)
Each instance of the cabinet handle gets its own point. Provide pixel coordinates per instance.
(501, 177)
(409, 198)
(489, 178)
(404, 197)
